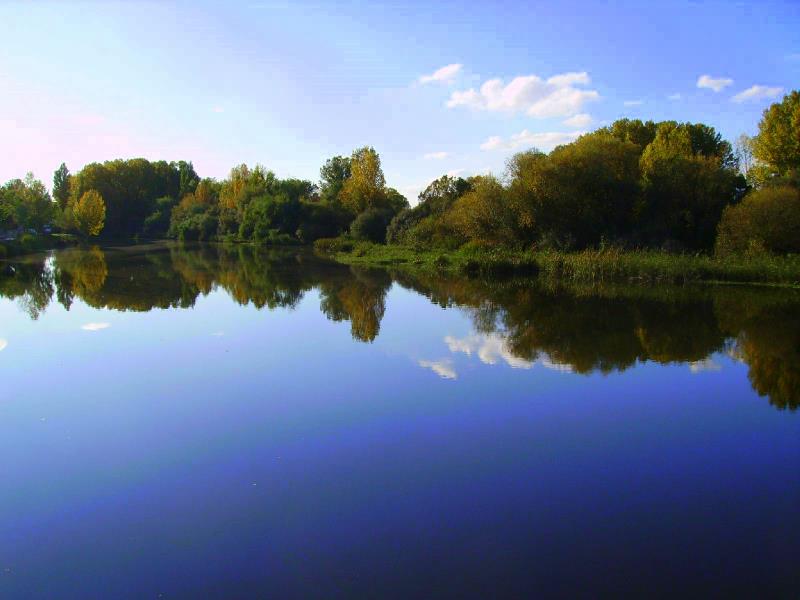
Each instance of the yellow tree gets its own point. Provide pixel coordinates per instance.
(366, 186)
(89, 213)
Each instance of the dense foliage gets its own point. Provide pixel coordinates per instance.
(631, 185)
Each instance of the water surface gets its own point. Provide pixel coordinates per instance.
(232, 422)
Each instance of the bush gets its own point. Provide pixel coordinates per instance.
(321, 221)
(768, 220)
(333, 245)
(265, 214)
(371, 225)
(196, 227)
(157, 223)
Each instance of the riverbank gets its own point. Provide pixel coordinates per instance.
(611, 265)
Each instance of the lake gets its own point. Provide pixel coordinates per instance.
(234, 422)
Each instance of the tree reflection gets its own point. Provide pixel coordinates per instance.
(593, 329)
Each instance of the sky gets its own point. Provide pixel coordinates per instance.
(447, 87)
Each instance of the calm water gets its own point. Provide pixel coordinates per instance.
(200, 421)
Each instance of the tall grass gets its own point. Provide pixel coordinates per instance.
(588, 266)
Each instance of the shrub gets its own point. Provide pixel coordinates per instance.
(767, 220)
(371, 225)
(333, 245)
(321, 221)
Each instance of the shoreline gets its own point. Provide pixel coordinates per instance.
(645, 267)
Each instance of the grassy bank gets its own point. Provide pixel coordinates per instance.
(587, 266)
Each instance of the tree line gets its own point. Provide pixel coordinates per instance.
(632, 184)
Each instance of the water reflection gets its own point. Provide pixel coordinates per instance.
(519, 323)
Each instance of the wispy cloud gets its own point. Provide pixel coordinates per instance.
(435, 155)
(713, 83)
(543, 141)
(446, 74)
(757, 92)
(674, 97)
(633, 102)
(3, 344)
(557, 96)
(95, 326)
(580, 120)
(443, 368)
(218, 109)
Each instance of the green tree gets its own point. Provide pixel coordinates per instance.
(579, 194)
(61, 186)
(332, 176)
(685, 190)
(777, 144)
(768, 219)
(89, 213)
(26, 203)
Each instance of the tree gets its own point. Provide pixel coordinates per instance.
(332, 176)
(767, 219)
(89, 213)
(187, 177)
(26, 203)
(365, 188)
(744, 153)
(371, 225)
(778, 141)
(579, 194)
(61, 186)
(483, 215)
(129, 189)
(685, 190)
(634, 131)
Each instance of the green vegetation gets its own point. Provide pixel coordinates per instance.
(633, 201)
(661, 201)
(591, 265)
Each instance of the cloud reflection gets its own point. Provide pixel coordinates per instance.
(443, 368)
(95, 326)
(706, 364)
(490, 348)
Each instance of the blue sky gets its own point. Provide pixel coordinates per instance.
(289, 85)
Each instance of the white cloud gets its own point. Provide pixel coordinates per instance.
(455, 172)
(757, 92)
(3, 344)
(95, 326)
(580, 120)
(674, 97)
(446, 74)
(435, 155)
(543, 141)
(443, 368)
(713, 83)
(536, 97)
(633, 102)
